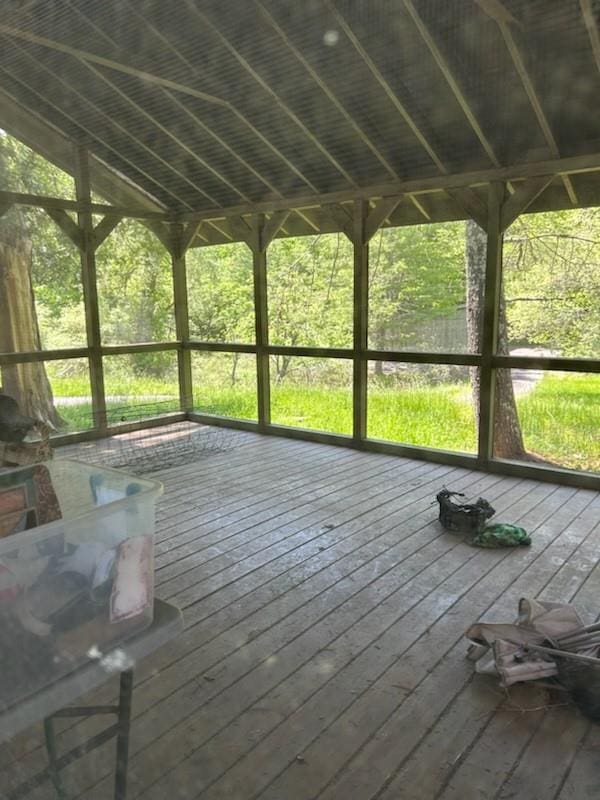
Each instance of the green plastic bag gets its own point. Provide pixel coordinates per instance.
(501, 534)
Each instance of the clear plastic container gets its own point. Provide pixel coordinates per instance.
(76, 567)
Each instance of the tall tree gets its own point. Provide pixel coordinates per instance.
(508, 439)
(19, 329)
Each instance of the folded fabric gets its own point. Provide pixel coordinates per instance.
(497, 648)
(501, 534)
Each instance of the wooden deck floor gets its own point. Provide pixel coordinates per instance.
(323, 654)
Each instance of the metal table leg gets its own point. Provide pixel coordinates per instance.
(53, 766)
(124, 720)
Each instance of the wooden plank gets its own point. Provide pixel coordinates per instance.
(182, 323)
(271, 228)
(567, 165)
(54, 146)
(489, 333)
(104, 228)
(591, 25)
(443, 645)
(403, 583)
(340, 217)
(379, 215)
(71, 230)
(261, 330)
(535, 103)
(361, 333)
(451, 80)
(255, 646)
(391, 95)
(470, 203)
(90, 289)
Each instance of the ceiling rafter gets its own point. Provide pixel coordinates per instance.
(91, 133)
(571, 165)
(398, 105)
(159, 35)
(149, 78)
(270, 91)
(451, 81)
(326, 90)
(535, 103)
(498, 11)
(392, 96)
(113, 45)
(52, 144)
(155, 122)
(592, 29)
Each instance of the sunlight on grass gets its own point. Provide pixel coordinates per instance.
(560, 417)
(560, 420)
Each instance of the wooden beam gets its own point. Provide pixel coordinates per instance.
(391, 95)
(70, 89)
(245, 64)
(71, 230)
(360, 338)
(162, 232)
(591, 25)
(535, 103)
(261, 320)
(92, 58)
(54, 146)
(40, 201)
(489, 333)
(90, 289)
(498, 11)
(243, 231)
(164, 130)
(5, 207)
(379, 215)
(451, 81)
(523, 197)
(104, 228)
(326, 90)
(188, 234)
(182, 323)
(420, 207)
(470, 203)
(271, 228)
(340, 217)
(569, 165)
(193, 68)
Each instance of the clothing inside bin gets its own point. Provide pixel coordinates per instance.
(87, 581)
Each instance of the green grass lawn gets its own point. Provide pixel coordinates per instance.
(560, 417)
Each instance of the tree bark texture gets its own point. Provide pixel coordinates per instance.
(508, 439)
(28, 384)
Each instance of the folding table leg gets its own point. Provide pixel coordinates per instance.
(53, 769)
(125, 695)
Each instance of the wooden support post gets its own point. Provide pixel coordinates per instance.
(177, 251)
(489, 334)
(90, 289)
(361, 292)
(263, 381)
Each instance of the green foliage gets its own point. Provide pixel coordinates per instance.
(417, 284)
(552, 281)
(221, 293)
(310, 291)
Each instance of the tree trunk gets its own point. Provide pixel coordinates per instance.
(508, 439)
(19, 330)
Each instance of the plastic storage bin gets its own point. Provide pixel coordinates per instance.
(76, 567)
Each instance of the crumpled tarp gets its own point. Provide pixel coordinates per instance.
(493, 647)
(501, 534)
